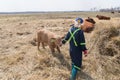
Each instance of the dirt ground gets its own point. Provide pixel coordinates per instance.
(20, 60)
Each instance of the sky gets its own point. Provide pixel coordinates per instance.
(55, 5)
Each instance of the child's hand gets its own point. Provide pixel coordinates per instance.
(63, 41)
(85, 53)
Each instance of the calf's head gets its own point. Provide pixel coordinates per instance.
(56, 41)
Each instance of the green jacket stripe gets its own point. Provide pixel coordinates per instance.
(72, 36)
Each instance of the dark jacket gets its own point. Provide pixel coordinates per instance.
(79, 38)
(77, 45)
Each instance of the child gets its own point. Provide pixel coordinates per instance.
(76, 39)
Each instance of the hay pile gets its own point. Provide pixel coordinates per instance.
(109, 41)
(108, 46)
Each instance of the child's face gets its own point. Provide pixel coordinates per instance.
(77, 24)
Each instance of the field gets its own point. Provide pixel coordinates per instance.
(20, 59)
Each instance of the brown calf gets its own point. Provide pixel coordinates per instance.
(48, 38)
(100, 17)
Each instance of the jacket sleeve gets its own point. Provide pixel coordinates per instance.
(66, 38)
(82, 41)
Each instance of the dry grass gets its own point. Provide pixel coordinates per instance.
(20, 60)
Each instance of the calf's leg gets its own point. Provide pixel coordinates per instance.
(52, 49)
(43, 45)
(38, 45)
(58, 49)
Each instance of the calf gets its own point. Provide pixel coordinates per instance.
(48, 38)
(100, 17)
(112, 12)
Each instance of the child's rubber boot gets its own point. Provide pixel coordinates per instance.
(73, 74)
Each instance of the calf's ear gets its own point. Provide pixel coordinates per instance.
(52, 39)
(62, 37)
